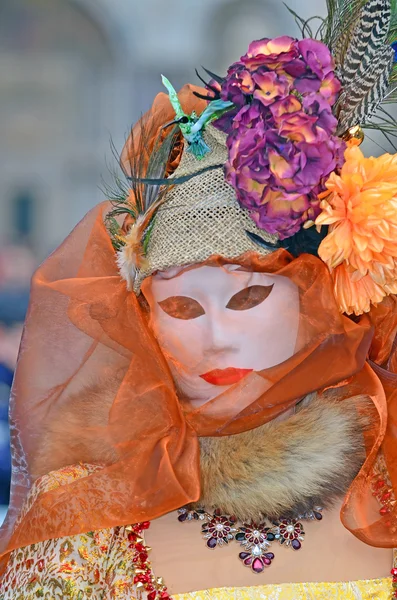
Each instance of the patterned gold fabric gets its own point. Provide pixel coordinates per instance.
(99, 566)
(375, 589)
(96, 565)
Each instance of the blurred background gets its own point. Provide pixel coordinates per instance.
(74, 76)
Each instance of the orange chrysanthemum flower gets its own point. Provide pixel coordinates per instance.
(360, 207)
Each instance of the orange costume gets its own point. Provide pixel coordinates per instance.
(259, 181)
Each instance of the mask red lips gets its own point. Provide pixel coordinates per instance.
(225, 376)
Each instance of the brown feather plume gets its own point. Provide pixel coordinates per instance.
(136, 199)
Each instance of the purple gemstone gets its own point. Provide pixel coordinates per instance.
(211, 543)
(317, 515)
(267, 561)
(182, 517)
(269, 555)
(248, 561)
(243, 555)
(258, 566)
(296, 544)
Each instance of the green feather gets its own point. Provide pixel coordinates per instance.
(173, 96)
(192, 126)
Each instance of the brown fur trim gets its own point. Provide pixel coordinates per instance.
(78, 433)
(279, 469)
(285, 468)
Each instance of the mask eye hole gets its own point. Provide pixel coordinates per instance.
(249, 297)
(182, 307)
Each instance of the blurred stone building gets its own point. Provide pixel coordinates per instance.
(75, 74)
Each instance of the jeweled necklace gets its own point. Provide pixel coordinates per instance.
(255, 540)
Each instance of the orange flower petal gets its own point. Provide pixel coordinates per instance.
(360, 208)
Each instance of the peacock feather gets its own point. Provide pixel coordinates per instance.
(139, 193)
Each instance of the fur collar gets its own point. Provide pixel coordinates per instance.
(285, 468)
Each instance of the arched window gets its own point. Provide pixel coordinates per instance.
(56, 89)
(23, 214)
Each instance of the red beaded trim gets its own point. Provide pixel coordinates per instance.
(382, 490)
(394, 575)
(143, 574)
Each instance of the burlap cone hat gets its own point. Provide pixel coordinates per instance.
(199, 218)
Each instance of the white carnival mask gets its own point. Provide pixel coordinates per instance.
(215, 325)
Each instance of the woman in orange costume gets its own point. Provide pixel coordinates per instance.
(238, 379)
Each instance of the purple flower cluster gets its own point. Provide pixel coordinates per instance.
(281, 133)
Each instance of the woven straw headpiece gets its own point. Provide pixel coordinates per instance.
(200, 217)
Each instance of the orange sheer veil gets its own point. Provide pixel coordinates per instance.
(85, 329)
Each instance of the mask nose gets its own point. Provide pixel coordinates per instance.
(219, 335)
